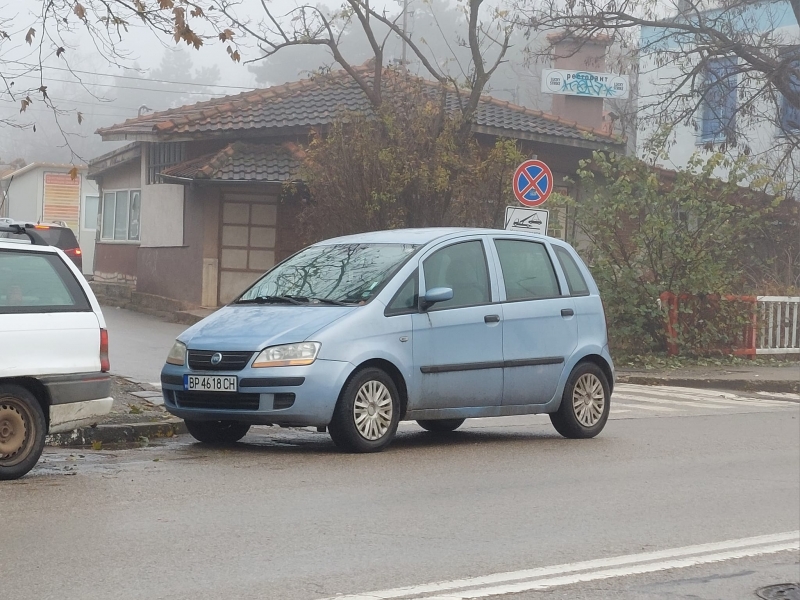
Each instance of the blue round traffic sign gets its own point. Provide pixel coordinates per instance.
(533, 182)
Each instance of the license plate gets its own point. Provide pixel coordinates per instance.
(210, 383)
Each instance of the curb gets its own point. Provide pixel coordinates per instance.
(741, 385)
(117, 434)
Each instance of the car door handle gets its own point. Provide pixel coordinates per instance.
(491, 319)
(567, 312)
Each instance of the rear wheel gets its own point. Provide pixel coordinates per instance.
(22, 431)
(367, 413)
(217, 433)
(585, 403)
(440, 425)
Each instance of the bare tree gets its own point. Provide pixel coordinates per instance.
(486, 33)
(695, 52)
(36, 44)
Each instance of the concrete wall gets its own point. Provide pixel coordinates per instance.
(579, 56)
(162, 215)
(115, 263)
(177, 272)
(127, 176)
(25, 196)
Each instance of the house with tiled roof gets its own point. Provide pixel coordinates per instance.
(203, 182)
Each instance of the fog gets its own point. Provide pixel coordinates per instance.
(149, 72)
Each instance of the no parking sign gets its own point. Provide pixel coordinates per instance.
(533, 182)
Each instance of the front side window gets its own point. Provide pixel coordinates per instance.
(719, 101)
(341, 273)
(461, 267)
(528, 273)
(406, 300)
(121, 214)
(38, 282)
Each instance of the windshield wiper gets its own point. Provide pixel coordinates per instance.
(329, 301)
(299, 300)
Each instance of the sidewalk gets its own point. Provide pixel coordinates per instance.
(136, 417)
(740, 378)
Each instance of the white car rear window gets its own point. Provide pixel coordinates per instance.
(38, 282)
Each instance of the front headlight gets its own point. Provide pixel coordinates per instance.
(177, 356)
(288, 355)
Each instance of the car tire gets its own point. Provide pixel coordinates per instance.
(217, 433)
(585, 403)
(22, 431)
(440, 425)
(367, 413)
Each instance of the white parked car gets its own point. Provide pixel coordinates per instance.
(53, 350)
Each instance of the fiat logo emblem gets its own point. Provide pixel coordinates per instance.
(216, 358)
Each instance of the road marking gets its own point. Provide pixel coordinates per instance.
(641, 406)
(696, 396)
(649, 400)
(590, 570)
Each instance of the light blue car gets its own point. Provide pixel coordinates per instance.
(437, 325)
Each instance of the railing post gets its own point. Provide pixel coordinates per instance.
(671, 301)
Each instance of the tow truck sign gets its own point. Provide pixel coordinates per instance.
(532, 220)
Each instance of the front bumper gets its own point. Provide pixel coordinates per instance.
(297, 396)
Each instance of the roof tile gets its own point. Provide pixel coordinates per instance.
(315, 101)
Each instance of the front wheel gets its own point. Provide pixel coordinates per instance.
(22, 431)
(367, 413)
(440, 425)
(585, 403)
(217, 433)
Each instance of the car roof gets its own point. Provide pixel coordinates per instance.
(21, 244)
(417, 236)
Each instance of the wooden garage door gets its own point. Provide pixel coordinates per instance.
(247, 242)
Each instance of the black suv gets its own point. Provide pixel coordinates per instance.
(55, 234)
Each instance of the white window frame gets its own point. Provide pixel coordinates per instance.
(104, 236)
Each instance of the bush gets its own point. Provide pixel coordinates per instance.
(646, 231)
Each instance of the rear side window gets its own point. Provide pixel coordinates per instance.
(575, 281)
(528, 273)
(33, 282)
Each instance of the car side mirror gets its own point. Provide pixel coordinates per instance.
(440, 294)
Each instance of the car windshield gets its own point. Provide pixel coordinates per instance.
(335, 274)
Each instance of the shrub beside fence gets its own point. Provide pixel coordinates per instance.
(729, 324)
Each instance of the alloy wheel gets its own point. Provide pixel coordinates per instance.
(372, 410)
(588, 399)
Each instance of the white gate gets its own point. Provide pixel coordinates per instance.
(777, 325)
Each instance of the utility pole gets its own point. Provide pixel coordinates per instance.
(405, 30)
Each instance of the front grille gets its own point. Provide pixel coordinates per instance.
(200, 360)
(217, 400)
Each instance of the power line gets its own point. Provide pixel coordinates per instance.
(124, 87)
(215, 85)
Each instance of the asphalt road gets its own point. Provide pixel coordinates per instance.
(286, 516)
(138, 344)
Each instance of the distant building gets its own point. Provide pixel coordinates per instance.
(190, 208)
(726, 113)
(45, 192)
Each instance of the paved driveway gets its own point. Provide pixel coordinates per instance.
(138, 343)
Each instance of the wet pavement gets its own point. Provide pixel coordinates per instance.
(285, 515)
